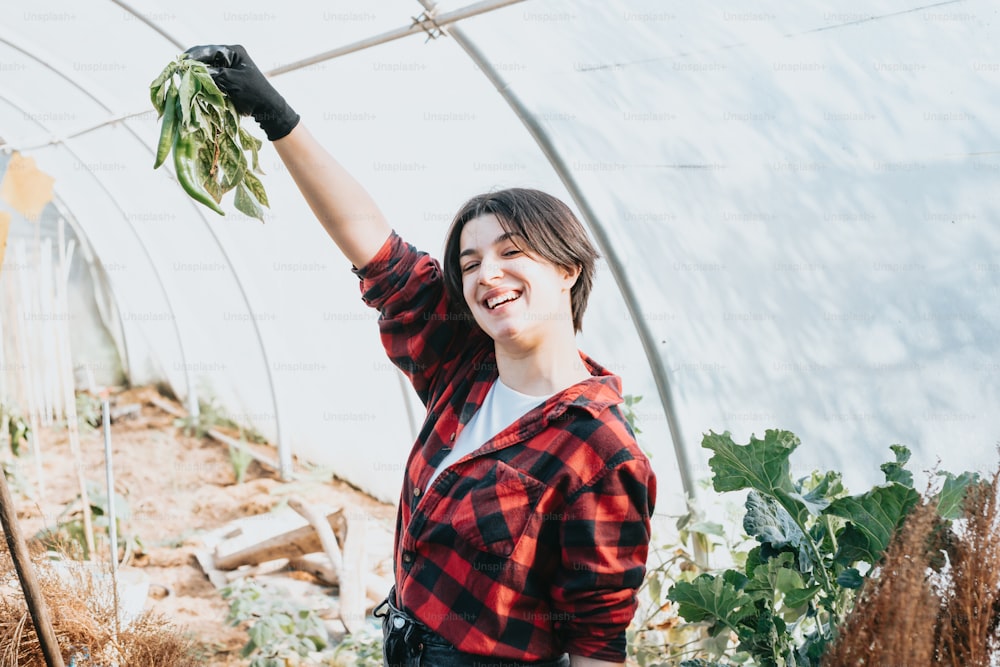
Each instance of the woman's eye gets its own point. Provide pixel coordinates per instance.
(469, 267)
(512, 252)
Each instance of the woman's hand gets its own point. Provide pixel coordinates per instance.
(236, 74)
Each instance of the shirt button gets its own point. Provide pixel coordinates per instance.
(407, 557)
(416, 493)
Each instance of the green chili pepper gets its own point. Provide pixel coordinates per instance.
(168, 129)
(185, 154)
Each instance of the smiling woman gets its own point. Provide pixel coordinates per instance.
(524, 521)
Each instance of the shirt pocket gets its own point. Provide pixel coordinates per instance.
(495, 513)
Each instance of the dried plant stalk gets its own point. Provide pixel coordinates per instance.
(83, 616)
(970, 620)
(893, 620)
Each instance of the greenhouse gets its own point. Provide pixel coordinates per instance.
(796, 212)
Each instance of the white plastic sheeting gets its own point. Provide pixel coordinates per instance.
(803, 197)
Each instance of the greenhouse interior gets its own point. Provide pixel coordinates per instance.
(796, 211)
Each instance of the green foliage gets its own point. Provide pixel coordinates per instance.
(279, 630)
(213, 416)
(201, 127)
(785, 599)
(240, 459)
(16, 427)
(363, 649)
(68, 532)
(282, 634)
(89, 411)
(629, 411)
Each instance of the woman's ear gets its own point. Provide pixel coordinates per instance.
(570, 275)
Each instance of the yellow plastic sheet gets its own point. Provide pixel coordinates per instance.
(4, 228)
(25, 187)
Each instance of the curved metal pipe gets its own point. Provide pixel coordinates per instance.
(656, 362)
(284, 454)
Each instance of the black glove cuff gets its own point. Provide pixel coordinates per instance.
(277, 122)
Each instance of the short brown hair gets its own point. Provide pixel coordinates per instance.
(549, 229)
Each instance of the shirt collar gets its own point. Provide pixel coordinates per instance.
(593, 395)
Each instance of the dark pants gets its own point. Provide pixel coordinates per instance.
(406, 642)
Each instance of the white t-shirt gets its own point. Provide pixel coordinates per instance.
(501, 408)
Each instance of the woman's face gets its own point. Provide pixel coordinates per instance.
(516, 297)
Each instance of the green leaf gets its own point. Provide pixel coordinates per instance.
(655, 587)
(872, 519)
(761, 464)
(798, 597)
(158, 88)
(894, 470)
(245, 203)
(952, 495)
(711, 598)
(770, 523)
(707, 528)
(232, 163)
(252, 144)
(769, 576)
(255, 187)
(850, 578)
(207, 84)
(822, 490)
(186, 94)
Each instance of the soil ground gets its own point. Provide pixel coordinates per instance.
(178, 489)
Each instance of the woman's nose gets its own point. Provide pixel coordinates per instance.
(489, 271)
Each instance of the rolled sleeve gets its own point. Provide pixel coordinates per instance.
(604, 543)
(416, 324)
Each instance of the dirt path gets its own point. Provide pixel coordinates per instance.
(177, 488)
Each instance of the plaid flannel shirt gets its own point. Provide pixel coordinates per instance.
(536, 543)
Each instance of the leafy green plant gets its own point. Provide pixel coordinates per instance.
(362, 649)
(89, 413)
(213, 416)
(240, 459)
(16, 426)
(201, 127)
(629, 411)
(782, 602)
(69, 535)
(279, 630)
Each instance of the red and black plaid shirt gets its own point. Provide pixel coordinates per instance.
(534, 544)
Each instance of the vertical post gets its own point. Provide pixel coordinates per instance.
(29, 584)
(112, 514)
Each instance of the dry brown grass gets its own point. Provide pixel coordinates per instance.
(894, 618)
(919, 609)
(970, 620)
(82, 611)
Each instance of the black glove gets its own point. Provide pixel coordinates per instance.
(252, 94)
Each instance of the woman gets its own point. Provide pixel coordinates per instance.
(524, 521)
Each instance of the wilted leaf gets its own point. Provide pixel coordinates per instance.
(255, 187)
(245, 204)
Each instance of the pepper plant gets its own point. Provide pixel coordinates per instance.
(816, 544)
(201, 127)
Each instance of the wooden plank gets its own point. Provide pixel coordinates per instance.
(297, 542)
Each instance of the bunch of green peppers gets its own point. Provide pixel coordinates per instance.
(201, 127)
